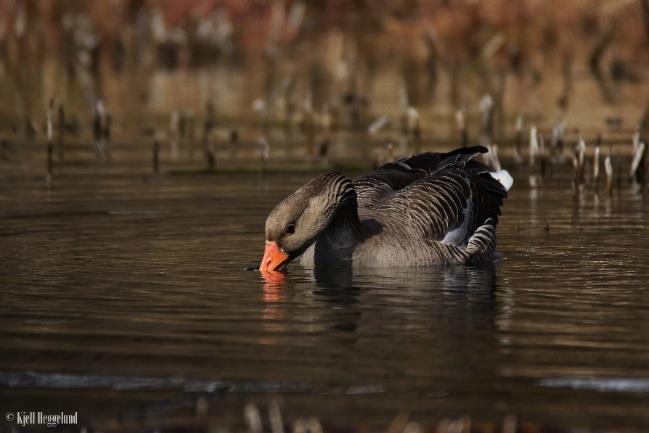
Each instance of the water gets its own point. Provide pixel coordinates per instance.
(125, 298)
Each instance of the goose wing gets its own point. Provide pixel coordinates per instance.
(373, 188)
(454, 197)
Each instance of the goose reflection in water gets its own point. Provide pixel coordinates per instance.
(463, 293)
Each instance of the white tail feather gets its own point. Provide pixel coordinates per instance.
(503, 176)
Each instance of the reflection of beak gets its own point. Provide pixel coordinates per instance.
(273, 282)
(274, 258)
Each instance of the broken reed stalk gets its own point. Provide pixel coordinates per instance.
(211, 159)
(96, 128)
(637, 170)
(61, 131)
(596, 158)
(208, 126)
(486, 106)
(190, 135)
(264, 151)
(50, 145)
(414, 126)
(534, 145)
(233, 142)
(380, 123)
(50, 161)
(608, 170)
(174, 133)
(519, 138)
(107, 134)
(543, 157)
(460, 121)
(156, 156)
(580, 155)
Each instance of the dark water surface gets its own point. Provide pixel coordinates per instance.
(125, 298)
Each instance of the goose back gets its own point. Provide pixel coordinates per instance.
(432, 196)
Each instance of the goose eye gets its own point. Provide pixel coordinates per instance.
(289, 229)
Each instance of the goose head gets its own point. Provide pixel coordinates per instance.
(297, 221)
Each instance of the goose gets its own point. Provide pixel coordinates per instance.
(421, 210)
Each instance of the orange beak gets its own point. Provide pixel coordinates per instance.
(274, 257)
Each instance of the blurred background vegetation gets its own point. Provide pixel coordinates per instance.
(323, 64)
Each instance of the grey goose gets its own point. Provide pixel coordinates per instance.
(425, 209)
